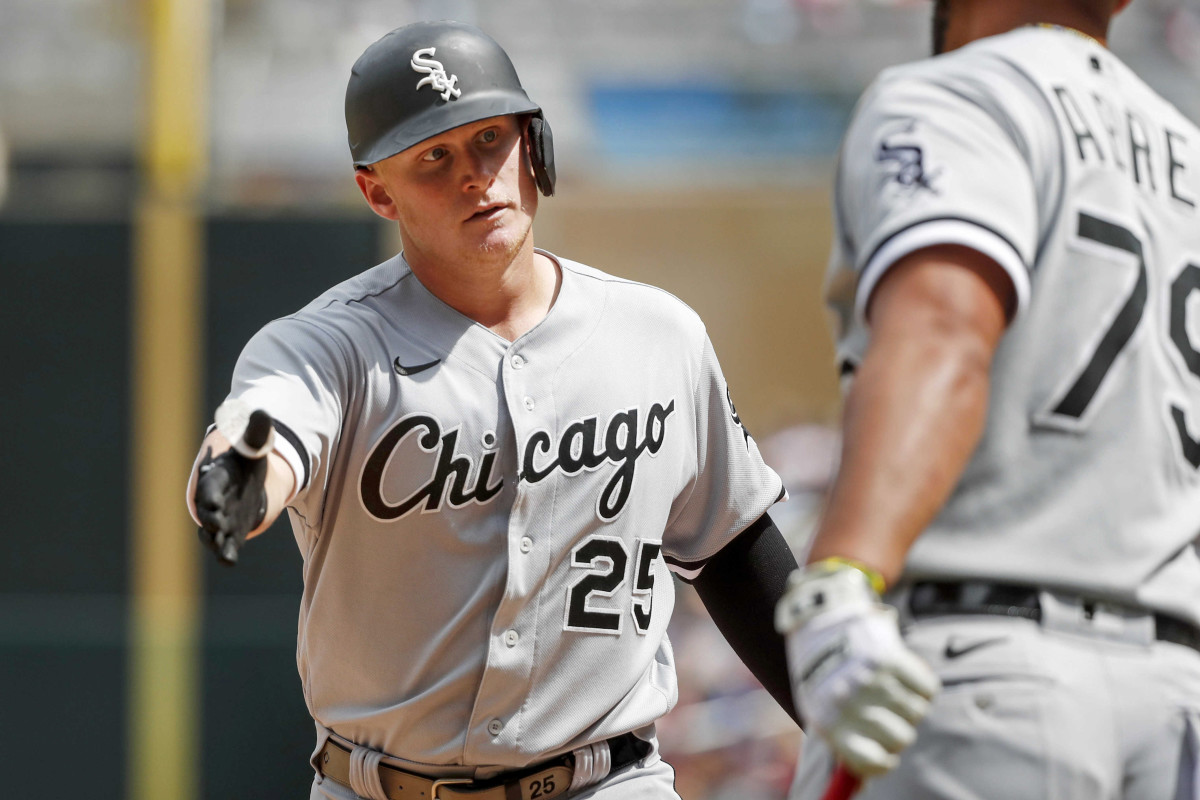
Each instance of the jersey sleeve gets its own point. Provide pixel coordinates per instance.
(297, 373)
(930, 160)
(732, 486)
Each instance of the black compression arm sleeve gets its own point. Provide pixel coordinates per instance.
(740, 586)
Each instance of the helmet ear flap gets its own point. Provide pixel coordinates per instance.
(541, 154)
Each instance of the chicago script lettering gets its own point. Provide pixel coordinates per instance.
(455, 469)
(577, 450)
(582, 446)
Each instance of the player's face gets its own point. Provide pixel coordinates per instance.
(463, 196)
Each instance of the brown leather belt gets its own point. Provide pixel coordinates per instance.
(544, 781)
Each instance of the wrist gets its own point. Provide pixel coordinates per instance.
(832, 563)
(824, 587)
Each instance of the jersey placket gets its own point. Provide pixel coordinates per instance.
(495, 726)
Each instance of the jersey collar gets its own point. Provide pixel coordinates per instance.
(1065, 29)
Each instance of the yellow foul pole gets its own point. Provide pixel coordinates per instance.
(167, 352)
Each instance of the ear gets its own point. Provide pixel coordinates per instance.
(376, 193)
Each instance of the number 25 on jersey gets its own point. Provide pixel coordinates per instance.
(605, 560)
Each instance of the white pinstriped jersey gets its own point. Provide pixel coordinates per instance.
(1041, 149)
(485, 525)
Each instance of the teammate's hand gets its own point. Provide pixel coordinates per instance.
(855, 681)
(231, 494)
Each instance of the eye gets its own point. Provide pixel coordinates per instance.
(435, 154)
(488, 136)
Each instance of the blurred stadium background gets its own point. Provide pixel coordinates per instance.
(173, 174)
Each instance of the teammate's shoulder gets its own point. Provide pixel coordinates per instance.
(633, 296)
(990, 78)
(984, 63)
(1144, 99)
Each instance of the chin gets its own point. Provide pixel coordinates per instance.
(507, 238)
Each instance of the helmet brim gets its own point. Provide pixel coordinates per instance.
(441, 118)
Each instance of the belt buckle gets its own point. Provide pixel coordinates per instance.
(440, 782)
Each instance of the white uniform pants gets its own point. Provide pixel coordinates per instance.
(1066, 709)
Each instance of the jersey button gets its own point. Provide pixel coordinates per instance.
(526, 544)
(495, 726)
(518, 362)
(511, 638)
(529, 404)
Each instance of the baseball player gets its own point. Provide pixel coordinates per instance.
(1016, 280)
(491, 458)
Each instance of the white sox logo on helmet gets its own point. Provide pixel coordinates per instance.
(435, 74)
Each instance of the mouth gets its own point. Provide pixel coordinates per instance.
(488, 212)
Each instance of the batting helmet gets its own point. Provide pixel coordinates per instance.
(428, 77)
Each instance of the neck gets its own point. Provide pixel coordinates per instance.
(508, 297)
(971, 20)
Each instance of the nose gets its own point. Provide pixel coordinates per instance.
(478, 170)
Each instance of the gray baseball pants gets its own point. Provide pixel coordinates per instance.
(1068, 708)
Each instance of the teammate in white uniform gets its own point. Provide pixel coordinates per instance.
(1016, 277)
(490, 457)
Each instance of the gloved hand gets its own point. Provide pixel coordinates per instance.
(856, 683)
(231, 495)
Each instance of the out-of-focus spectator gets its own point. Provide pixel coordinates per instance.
(1181, 32)
(805, 457)
(726, 737)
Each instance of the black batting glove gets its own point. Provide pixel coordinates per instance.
(231, 493)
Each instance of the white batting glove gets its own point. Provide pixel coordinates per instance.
(855, 681)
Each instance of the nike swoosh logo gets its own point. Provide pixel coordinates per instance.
(952, 652)
(410, 371)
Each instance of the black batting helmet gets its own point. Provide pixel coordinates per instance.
(428, 77)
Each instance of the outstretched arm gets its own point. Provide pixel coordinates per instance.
(236, 493)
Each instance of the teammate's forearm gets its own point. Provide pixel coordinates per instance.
(912, 420)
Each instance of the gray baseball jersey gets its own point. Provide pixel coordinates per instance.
(1042, 150)
(486, 526)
